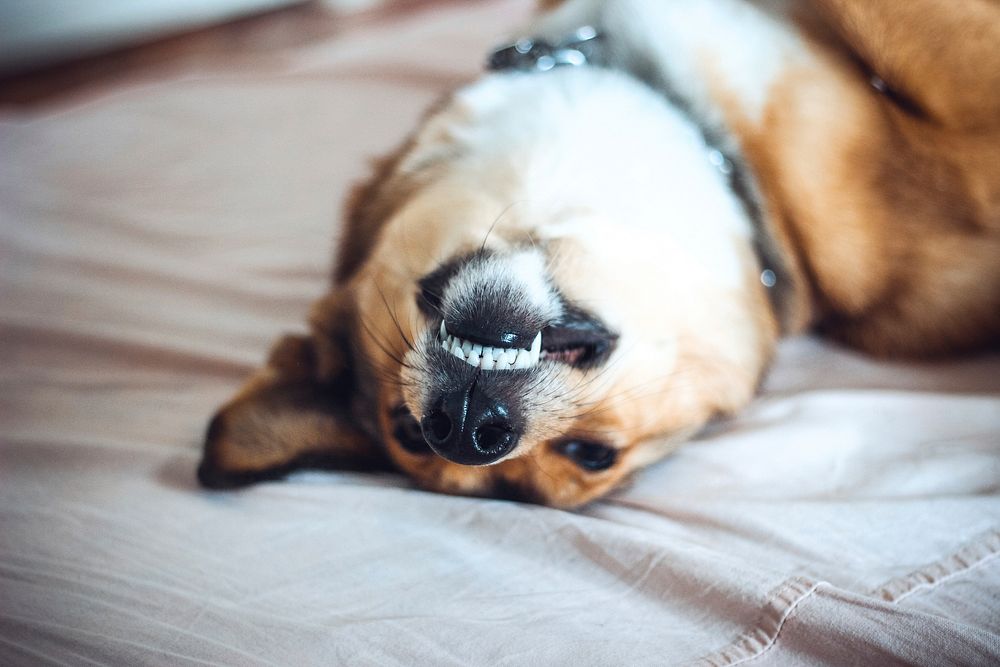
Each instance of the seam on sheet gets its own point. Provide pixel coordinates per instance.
(972, 555)
(777, 609)
(781, 603)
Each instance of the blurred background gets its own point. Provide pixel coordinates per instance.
(49, 46)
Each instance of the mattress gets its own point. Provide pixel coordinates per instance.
(157, 232)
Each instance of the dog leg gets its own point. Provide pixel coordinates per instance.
(942, 56)
(285, 418)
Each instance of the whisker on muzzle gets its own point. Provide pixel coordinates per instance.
(383, 345)
(395, 320)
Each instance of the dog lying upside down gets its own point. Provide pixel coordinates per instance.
(578, 260)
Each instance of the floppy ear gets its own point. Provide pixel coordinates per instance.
(293, 413)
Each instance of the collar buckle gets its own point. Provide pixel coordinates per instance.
(537, 55)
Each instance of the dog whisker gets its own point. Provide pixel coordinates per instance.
(383, 346)
(395, 320)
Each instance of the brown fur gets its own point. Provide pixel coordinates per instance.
(897, 218)
(886, 206)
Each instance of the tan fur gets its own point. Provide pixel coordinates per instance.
(283, 417)
(885, 206)
(898, 218)
(891, 214)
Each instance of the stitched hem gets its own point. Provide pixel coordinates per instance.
(781, 603)
(779, 606)
(979, 551)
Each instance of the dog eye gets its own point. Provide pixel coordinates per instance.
(591, 456)
(431, 287)
(406, 430)
(429, 301)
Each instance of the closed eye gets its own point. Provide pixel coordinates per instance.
(429, 302)
(406, 430)
(431, 287)
(590, 456)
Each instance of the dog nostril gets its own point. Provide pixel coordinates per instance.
(494, 439)
(437, 426)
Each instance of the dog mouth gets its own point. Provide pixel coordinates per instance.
(488, 357)
(580, 342)
(495, 314)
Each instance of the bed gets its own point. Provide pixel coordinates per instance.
(157, 232)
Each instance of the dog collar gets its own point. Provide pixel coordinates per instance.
(584, 47)
(538, 55)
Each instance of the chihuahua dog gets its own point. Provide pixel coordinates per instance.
(578, 260)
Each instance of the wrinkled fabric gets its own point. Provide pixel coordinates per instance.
(156, 234)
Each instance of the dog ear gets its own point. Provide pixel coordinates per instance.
(294, 413)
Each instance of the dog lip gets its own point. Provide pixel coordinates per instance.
(485, 337)
(579, 339)
(508, 339)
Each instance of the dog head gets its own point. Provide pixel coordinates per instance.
(538, 348)
(510, 354)
(535, 368)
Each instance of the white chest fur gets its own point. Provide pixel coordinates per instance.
(702, 48)
(595, 155)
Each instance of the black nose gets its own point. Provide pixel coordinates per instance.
(469, 427)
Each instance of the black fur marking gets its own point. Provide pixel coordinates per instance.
(432, 285)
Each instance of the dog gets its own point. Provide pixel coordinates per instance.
(578, 260)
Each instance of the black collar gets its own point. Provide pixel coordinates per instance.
(586, 46)
(536, 55)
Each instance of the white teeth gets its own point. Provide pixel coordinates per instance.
(490, 358)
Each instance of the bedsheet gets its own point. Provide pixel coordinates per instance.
(157, 233)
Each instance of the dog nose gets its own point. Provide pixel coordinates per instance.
(469, 427)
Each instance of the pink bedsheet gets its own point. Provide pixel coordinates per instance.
(157, 234)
